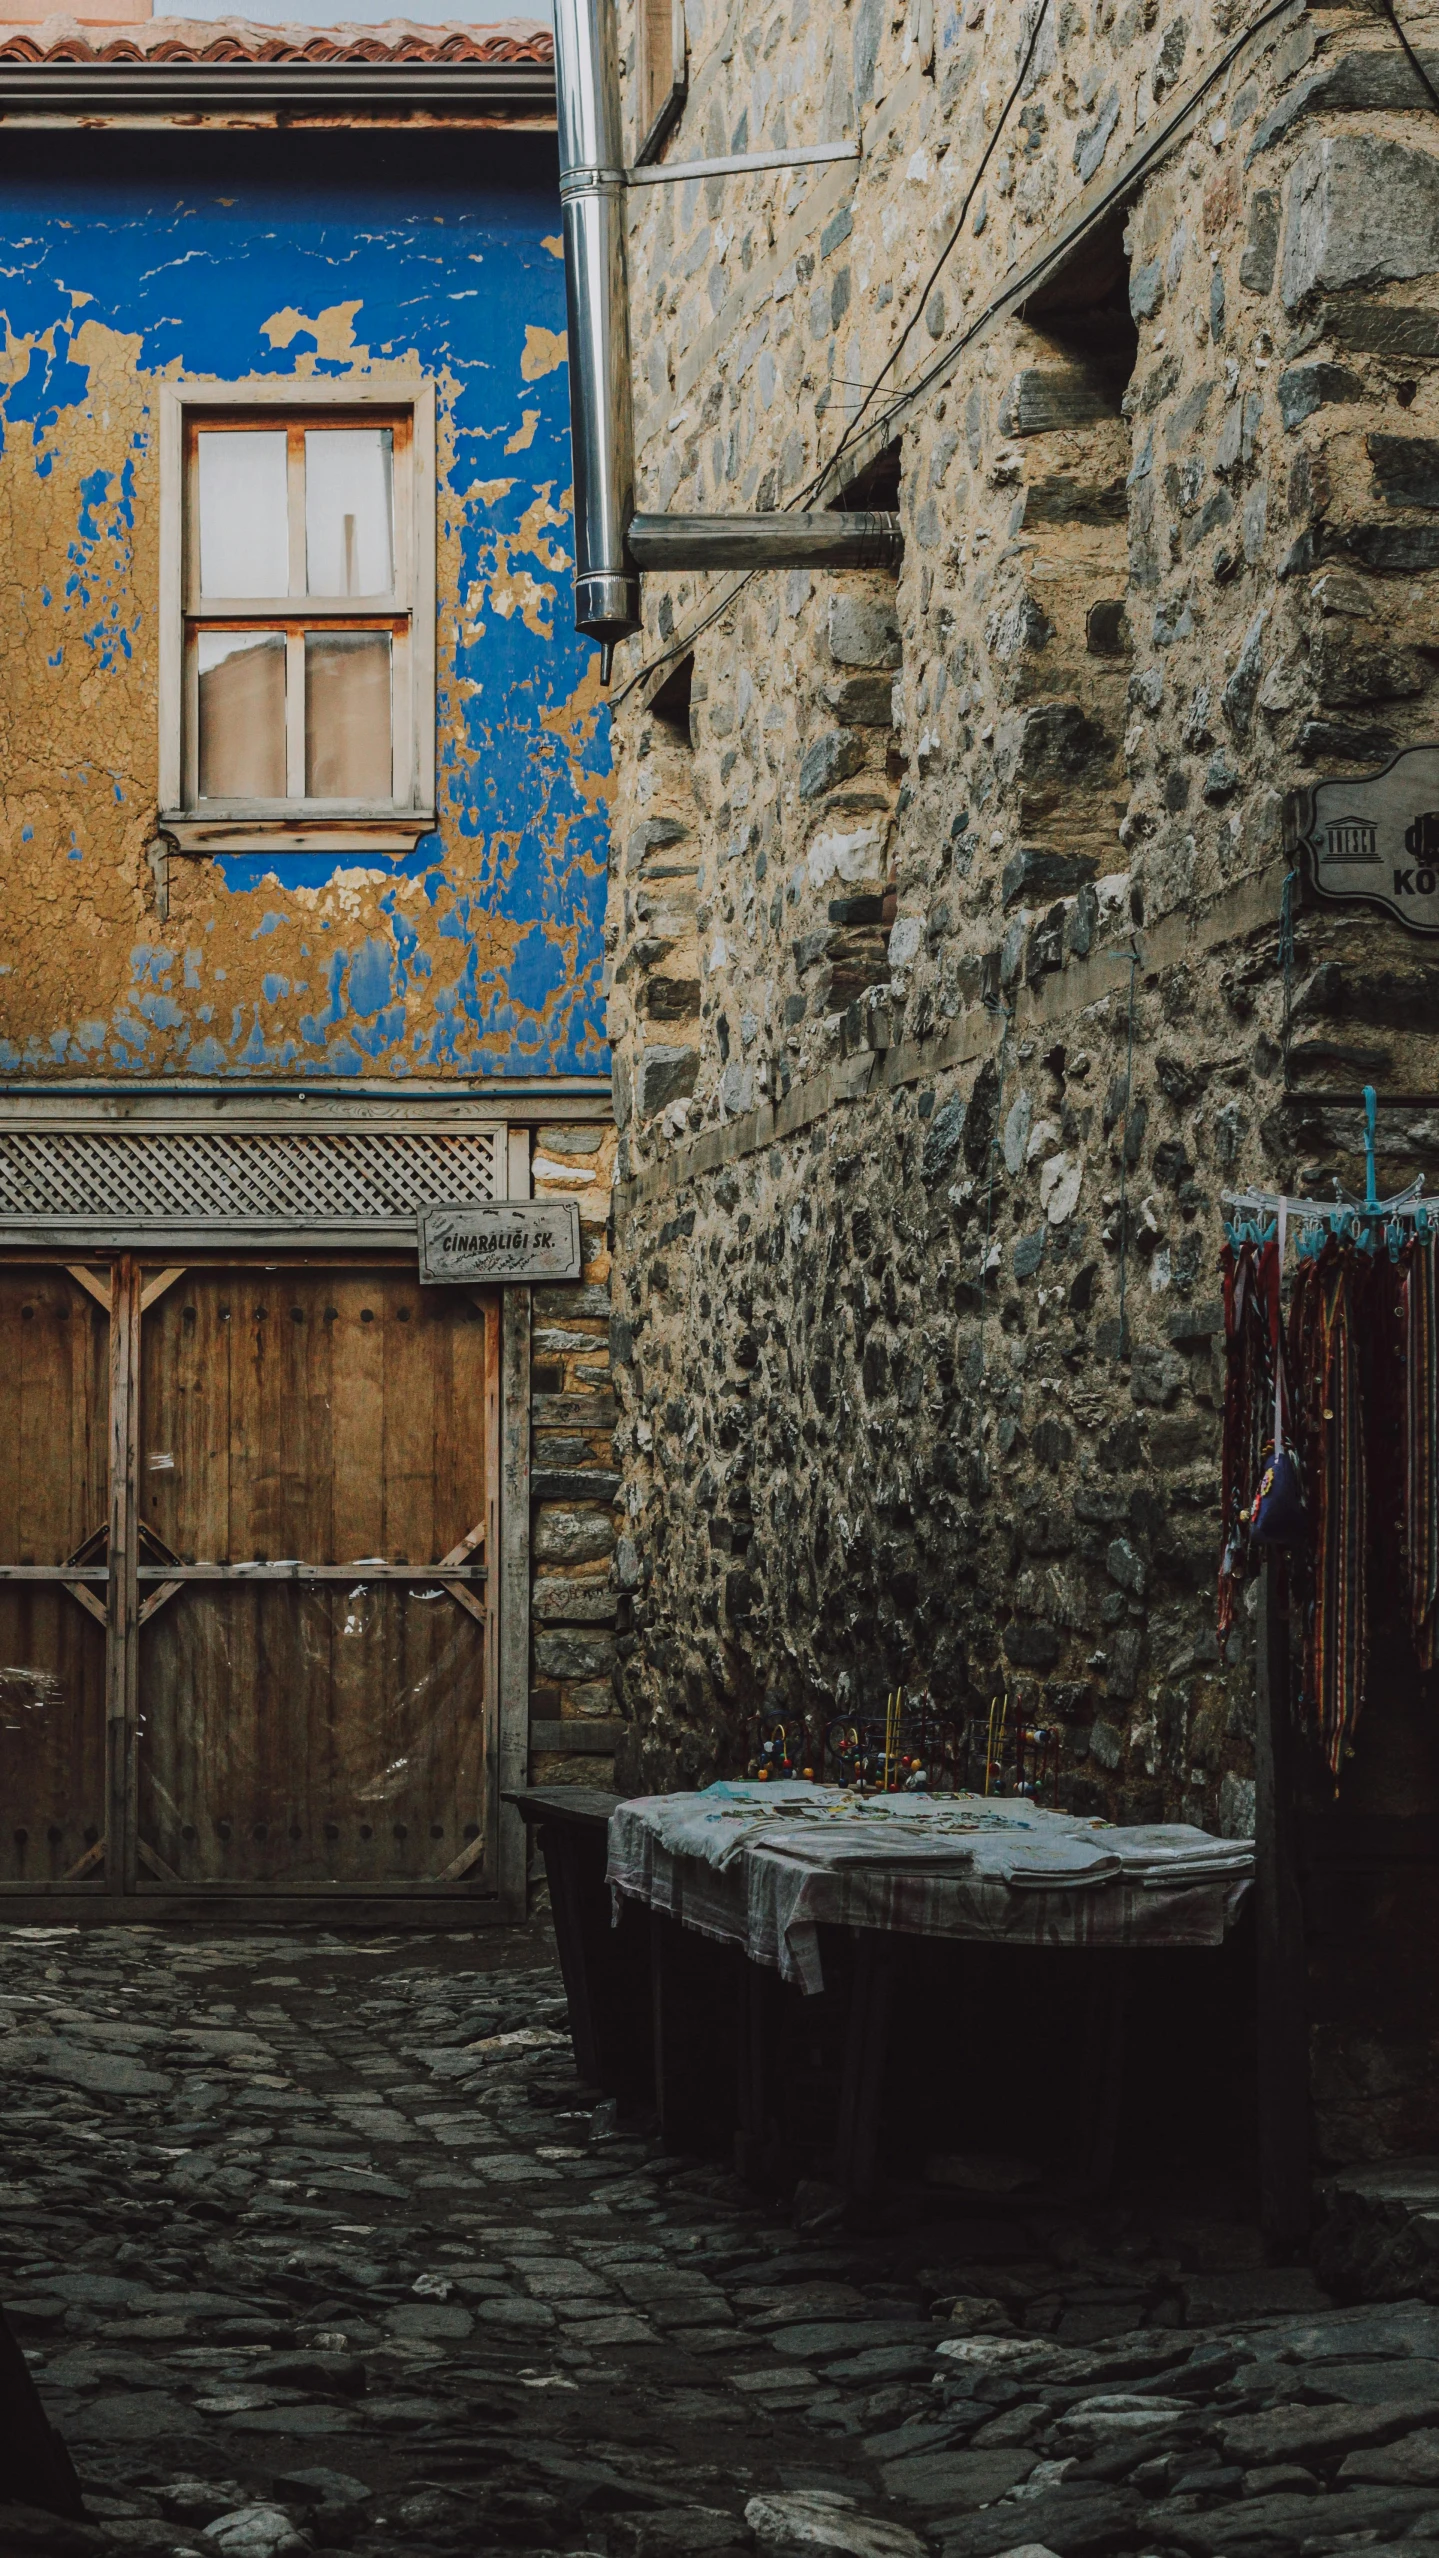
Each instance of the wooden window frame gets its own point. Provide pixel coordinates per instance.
(299, 825)
(661, 73)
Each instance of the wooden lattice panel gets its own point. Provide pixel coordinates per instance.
(102, 1185)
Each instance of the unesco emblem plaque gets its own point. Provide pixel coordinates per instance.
(505, 1242)
(1375, 842)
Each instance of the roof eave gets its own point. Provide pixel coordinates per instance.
(524, 90)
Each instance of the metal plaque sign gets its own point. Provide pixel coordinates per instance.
(1376, 842)
(508, 1242)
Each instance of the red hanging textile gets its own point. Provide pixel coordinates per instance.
(1381, 1323)
(1420, 1312)
(1325, 1325)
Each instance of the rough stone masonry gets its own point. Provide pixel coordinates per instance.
(945, 912)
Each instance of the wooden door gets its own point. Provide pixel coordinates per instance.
(245, 1519)
(317, 1714)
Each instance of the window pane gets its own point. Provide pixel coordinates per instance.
(244, 514)
(242, 714)
(349, 544)
(347, 715)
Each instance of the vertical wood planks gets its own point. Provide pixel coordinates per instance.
(509, 1563)
(52, 1417)
(122, 1639)
(52, 1733)
(415, 1423)
(359, 1414)
(53, 1496)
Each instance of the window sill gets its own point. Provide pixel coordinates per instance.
(392, 831)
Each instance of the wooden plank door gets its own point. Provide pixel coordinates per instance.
(54, 1508)
(315, 1487)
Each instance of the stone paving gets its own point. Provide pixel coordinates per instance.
(319, 2243)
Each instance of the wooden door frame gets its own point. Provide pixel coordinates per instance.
(499, 1894)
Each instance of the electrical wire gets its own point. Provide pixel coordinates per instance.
(1392, 14)
(679, 648)
(1122, 187)
(943, 362)
(922, 298)
(682, 646)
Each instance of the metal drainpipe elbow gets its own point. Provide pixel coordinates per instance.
(592, 194)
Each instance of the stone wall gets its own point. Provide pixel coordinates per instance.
(947, 987)
(572, 1482)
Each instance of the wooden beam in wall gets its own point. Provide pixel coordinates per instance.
(574, 1737)
(156, 1285)
(86, 1279)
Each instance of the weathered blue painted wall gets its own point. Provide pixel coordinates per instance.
(126, 261)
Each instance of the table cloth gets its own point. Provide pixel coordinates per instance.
(766, 1865)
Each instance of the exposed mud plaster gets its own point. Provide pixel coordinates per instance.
(480, 952)
(333, 332)
(544, 349)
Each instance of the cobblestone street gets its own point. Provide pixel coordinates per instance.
(315, 2243)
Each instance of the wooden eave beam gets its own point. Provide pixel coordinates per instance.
(823, 538)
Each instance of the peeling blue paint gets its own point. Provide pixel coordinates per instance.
(161, 1011)
(479, 954)
(370, 979)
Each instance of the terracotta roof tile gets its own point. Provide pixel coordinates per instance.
(241, 40)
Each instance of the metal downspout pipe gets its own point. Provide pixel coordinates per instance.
(612, 543)
(592, 194)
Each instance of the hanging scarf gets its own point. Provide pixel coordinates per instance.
(1420, 1313)
(1382, 1321)
(1325, 1332)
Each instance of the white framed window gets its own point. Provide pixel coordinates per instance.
(297, 592)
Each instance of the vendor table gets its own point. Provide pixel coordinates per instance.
(781, 1872)
(772, 1868)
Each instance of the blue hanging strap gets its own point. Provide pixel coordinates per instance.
(1248, 1230)
(1366, 1223)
